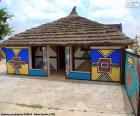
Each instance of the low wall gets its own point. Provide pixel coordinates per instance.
(17, 61)
(132, 79)
(2, 53)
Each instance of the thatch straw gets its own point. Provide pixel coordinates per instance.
(72, 29)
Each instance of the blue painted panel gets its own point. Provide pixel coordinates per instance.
(79, 75)
(115, 56)
(3, 49)
(9, 54)
(37, 72)
(24, 55)
(95, 55)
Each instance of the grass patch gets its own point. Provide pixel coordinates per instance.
(54, 108)
(30, 106)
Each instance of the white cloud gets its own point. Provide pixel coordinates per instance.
(112, 11)
(29, 13)
(108, 8)
(108, 3)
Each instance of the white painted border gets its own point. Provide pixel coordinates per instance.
(106, 47)
(81, 72)
(16, 47)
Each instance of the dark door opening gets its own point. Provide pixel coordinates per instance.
(61, 58)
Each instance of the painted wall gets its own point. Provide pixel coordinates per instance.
(132, 85)
(3, 52)
(38, 58)
(53, 57)
(69, 72)
(106, 64)
(17, 61)
(81, 60)
(41, 62)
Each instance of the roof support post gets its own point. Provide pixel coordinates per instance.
(68, 59)
(71, 58)
(30, 57)
(123, 58)
(48, 59)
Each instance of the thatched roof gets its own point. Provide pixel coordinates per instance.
(72, 29)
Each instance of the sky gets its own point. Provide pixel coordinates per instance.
(32, 13)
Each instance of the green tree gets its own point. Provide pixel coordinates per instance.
(5, 29)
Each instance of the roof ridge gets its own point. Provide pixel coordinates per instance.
(73, 12)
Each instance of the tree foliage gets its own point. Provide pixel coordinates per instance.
(5, 29)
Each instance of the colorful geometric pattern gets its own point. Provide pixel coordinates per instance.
(17, 60)
(45, 61)
(53, 64)
(67, 60)
(82, 65)
(53, 57)
(106, 64)
(132, 80)
(82, 60)
(2, 52)
(37, 57)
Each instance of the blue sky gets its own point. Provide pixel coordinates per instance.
(31, 13)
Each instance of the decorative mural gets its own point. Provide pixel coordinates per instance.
(67, 60)
(53, 57)
(81, 60)
(37, 56)
(106, 64)
(73, 74)
(17, 61)
(3, 52)
(41, 63)
(45, 60)
(132, 79)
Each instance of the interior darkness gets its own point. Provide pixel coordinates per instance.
(33, 56)
(61, 58)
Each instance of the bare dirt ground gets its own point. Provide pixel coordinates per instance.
(60, 96)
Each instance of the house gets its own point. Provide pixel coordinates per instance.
(2, 53)
(79, 47)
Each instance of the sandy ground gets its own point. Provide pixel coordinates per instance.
(58, 96)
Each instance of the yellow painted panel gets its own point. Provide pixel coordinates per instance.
(115, 74)
(3, 54)
(130, 61)
(10, 69)
(105, 52)
(95, 74)
(138, 51)
(24, 69)
(16, 50)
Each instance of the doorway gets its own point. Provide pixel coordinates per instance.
(61, 58)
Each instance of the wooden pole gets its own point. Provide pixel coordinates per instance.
(123, 56)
